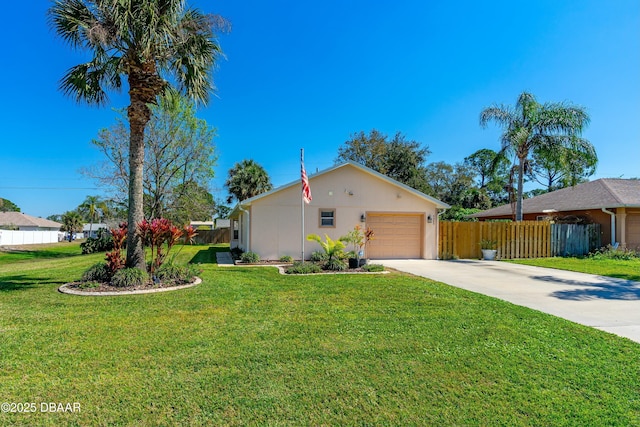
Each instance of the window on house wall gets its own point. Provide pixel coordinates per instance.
(327, 218)
(236, 229)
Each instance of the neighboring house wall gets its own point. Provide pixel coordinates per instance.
(630, 229)
(91, 230)
(276, 219)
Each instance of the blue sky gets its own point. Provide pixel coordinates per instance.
(308, 74)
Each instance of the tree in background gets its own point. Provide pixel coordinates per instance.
(247, 179)
(180, 155)
(398, 158)
(146, 42)
(93, 208)
(529, 125)
(561, 167)
(452, 184)
(221, 210)
(72, 223)
(55, 217)
(8, 206)
(492, 170)
(191, 203)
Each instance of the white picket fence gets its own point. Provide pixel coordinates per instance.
(12, 237)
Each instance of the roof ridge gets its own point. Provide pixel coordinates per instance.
(611, 190)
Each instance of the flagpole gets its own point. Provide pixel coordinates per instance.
(302, 208)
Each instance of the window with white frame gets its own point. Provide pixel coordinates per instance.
(236, 229)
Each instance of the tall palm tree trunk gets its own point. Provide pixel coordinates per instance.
(519, 196)
(138, 113)
(144, 85)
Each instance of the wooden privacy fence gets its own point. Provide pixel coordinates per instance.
(219, 235)
(574, 239)
(523, 239)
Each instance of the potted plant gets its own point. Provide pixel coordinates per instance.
(358, 239)
(488, 248)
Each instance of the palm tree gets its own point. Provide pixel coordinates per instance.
(157, 45)
(247, 179)
(71, 223)
(529, 125)
(93, 208)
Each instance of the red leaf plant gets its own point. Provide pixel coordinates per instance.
(160, 235)
(115, 259)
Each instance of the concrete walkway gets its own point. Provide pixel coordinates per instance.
(224, 258)
(605, 303)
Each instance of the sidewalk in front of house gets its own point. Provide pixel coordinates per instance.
(605, 303)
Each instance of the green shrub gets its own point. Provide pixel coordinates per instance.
(303, 268)
(335, 264)
(250, 257)
(97, 273)
(129, 277)
(614, 253)
(236, 253)
(102, 243)
(318, 256)
(332, 248)
(373, 267)
(178, 274)
(286, 258)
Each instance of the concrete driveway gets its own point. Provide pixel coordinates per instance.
(605, 303)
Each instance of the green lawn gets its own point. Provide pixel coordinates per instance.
(32, 252)
(622, 269)
(251, 347)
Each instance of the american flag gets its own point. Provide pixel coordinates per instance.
(306, 190)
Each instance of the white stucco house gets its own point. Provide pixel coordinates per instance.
(91, 230)
(23, 222)
(17, 228)
(404, 220)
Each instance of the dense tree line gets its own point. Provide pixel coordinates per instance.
(540, 144)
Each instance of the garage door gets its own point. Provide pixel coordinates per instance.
(396, 235)
(633, 232)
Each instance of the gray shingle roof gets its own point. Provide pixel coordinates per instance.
(20, 219)
(601, 193)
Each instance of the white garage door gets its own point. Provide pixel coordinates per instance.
(396, 235)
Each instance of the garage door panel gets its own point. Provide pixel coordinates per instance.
(396, 235)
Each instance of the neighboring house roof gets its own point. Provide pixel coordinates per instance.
(439, 204)
(598, 194)
(20, 219)
(94, 227)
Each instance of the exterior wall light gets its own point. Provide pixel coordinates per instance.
(429, 219)
(363, 218)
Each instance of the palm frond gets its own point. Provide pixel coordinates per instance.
(501, 114)
(86, 82)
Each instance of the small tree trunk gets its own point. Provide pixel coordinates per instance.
(520, 193)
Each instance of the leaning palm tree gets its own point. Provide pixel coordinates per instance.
(156, 45)
(530, 125)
